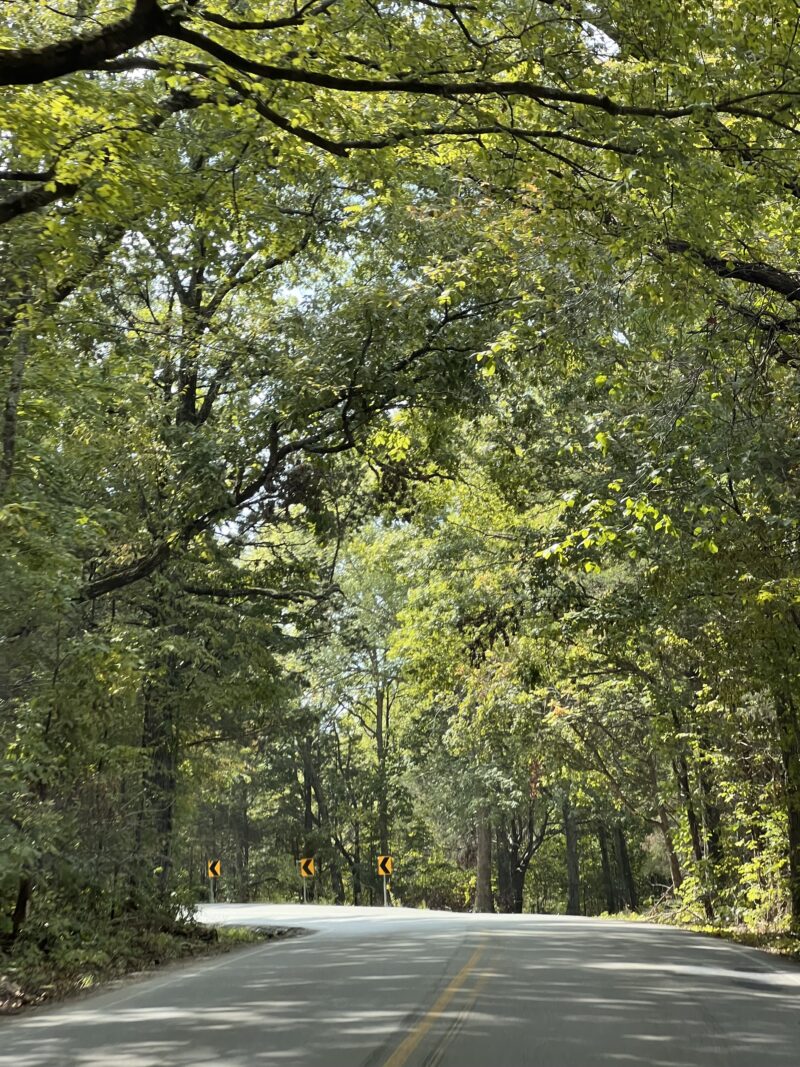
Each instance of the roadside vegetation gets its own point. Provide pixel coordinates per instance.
(399, 455)
(68, 963)
(772, 938)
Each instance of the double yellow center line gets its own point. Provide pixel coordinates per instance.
(401, 1054)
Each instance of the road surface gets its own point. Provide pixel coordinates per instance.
(398, 988)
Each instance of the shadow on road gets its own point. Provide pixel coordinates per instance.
(543, 991)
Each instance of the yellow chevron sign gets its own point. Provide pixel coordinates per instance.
(307, 867)
(214, 868)
(385, 865)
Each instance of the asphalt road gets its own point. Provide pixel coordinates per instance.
(397, 988)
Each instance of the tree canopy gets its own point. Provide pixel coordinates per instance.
(399, 455)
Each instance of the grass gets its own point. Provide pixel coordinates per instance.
(773, 939)
(38, 973)
(778, 942)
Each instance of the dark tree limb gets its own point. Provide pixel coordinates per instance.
(254, 592)
(34, 199)
(147, 21)
(784, 282)
(306, 11)
(32, 66)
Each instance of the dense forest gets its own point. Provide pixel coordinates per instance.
(400, 454)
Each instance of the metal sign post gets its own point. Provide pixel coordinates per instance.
(385, 868)
(306, 871)
(214, 870)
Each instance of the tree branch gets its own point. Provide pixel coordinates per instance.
(32, 66)
(255, 592)
(784, 282)
(308, 10)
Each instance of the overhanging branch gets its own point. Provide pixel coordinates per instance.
(254, 592)
(784, 282)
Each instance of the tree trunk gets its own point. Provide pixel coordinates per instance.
(10, 409)
(711, 813)
(337, 883)
(160, 743)
(789, 738)
(483, 886)
(308, 809)
(357, 863)
(242, 824)
(518, 888)
(608, 878)
(381, 731)
(681, 768)
(381, 750)
(20, 913)
(504, 862)
(666, 833)
(624, 864)
(516, 844)
(573, 866)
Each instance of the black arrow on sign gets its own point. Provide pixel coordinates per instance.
(307, 867)
(383, 865)
(213, 868)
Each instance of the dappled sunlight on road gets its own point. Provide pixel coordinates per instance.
(372, 988)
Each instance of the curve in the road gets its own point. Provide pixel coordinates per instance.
(398, 988)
